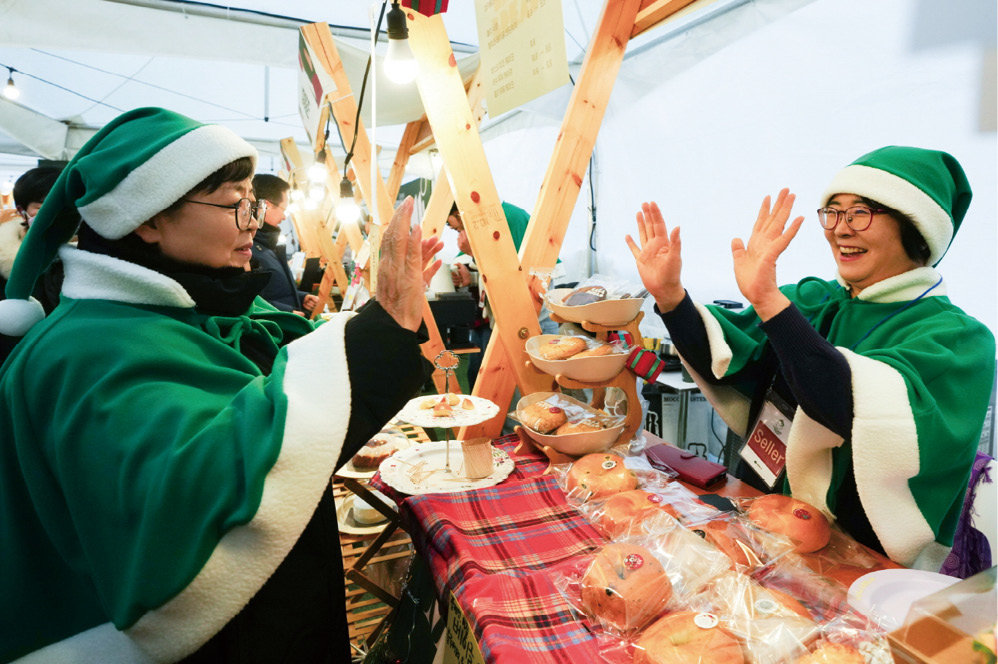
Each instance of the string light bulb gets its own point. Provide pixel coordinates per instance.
(7, 188)
(317, 171)
(347, 210)
(400, 63)
(10, 90)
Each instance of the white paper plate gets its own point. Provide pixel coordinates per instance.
(423, 417)
(350, 470)
(422, 469)
(886, 595)
(349, 525)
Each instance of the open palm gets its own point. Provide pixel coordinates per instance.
(658, 258)
(755, 262)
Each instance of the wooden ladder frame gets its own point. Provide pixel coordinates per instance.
(505, 364)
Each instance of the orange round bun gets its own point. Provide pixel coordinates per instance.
(832, 653)
(624, 511)
(804, 524)
(601, 474)
(687, 638)
(625, 586)
(740, 552)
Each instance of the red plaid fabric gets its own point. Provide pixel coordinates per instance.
(497, 549)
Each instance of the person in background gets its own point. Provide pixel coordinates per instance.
(464, 274)
(169, 499)
(269, 252)
(29, 191)
(884, 381)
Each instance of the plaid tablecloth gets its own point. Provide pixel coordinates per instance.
(496, 550)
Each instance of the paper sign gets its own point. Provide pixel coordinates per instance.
(313, 86)
(522, 47)
(460, 647)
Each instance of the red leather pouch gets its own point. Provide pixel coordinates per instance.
(690, 468)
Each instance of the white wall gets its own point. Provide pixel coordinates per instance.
(787, 105)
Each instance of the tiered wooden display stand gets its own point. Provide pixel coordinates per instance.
(625, 381)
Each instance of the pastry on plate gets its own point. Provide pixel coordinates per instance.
(376, 450)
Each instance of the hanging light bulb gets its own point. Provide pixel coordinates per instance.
(7, 188)
(400, 63)
(316, 192)
(317, 171)
(347, 210)
(10, 90)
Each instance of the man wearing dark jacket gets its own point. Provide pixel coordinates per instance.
(268, 253)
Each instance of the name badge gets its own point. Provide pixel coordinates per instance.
(765, 450)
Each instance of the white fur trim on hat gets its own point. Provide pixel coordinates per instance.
(931, 220)
(17, 316)
(164, 178)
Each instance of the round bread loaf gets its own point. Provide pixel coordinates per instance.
(624, 511)
(832, 653)
(595, 351)
(582, 426)
(804, 524)
(561, 348)
(601, 474)
(625, 586)
(721, 534)
(687, 638)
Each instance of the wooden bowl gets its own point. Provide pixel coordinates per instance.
(584, 369)
(572, 444)
(607, 312)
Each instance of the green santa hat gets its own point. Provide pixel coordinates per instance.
(136, 166)
(927, 185)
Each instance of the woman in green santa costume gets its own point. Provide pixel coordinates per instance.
(883, 381)
(168, 438)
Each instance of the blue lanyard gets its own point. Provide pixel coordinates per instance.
(895, 313)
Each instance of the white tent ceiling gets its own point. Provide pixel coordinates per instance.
(707, 115)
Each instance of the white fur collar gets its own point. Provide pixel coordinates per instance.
(902, 287)
(91, 276)
(11, 234)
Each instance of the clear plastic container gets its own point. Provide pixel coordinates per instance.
(955, 625)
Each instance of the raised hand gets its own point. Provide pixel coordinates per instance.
(403, 268)
(755, 263)
(658, 258)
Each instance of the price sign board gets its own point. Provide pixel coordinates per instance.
(522, 46)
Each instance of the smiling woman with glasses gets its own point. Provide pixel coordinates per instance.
(884, 381)
(168, 438)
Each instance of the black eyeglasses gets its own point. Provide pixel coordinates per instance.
(245, 210)
(858, 218)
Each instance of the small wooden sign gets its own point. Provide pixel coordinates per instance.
(460, 647)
